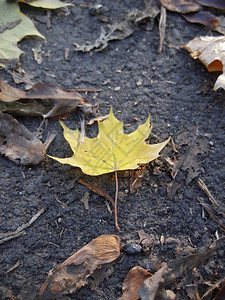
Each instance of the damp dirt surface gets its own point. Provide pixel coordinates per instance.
(136, 80)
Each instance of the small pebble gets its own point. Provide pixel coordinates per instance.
(59, 220)
(117, 88)
(211, 143)
(132, 247)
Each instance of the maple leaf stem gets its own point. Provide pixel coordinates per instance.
(115, 205)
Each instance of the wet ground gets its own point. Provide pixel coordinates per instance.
(136, 80)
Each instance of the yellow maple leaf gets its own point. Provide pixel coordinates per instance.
(111, 150)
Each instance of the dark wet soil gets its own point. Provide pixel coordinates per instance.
(136, 80)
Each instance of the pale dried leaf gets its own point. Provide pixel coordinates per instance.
(211, 52)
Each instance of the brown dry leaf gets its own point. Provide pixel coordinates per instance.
(73, 273)
(181, 6)
(136, 177)
(147, 241)
(155, 286)
(131, 284)
(203, 17)
(211, 52)
(64, 101)
(18, 143)
(213, 3)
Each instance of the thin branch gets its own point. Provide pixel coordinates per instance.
(96, 190)
(20, 230)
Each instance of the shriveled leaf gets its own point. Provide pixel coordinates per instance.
(73, 273)
(155, 286)
(211, 52)
(203, 17)
(121, 29)
(14, 26)
(20, 109)
(18, 143)
(134, 279)
(111, 150)
(64, 102)
(181, 6)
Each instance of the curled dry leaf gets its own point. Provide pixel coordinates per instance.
(64, 102)
(211, 52)
(134, 279)
(18, 143)
(73, 273)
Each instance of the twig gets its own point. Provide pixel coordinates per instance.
(115, 206)
(211, 290)
(84, 90)
(203, 186)
(13, 267)
(20, 230)
(210, 212)
(96, 190)
(162, 28)
(49, 140)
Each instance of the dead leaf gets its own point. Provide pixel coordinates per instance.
(65, 102)
(213, 3)
(193, 146)
(131, 284)
(203, 17)
(120, 29)
(18, 143)
(147, 241)
(211, 52)
(136, 177)
(73, 273)
(181, 6)
(154, 287)
(85, 200)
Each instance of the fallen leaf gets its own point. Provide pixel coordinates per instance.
(73, 273)
(18, 143)
(47, 4)
(64, 102)
(147, 241)
(131, 284)
(211, 52)
(9, 13)
(111, 150)
(14, 26)
(181, 6)
(213, 3)
(85, 200)
(121, 29)
(136, 177)
(203, 17)
(155, 286)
